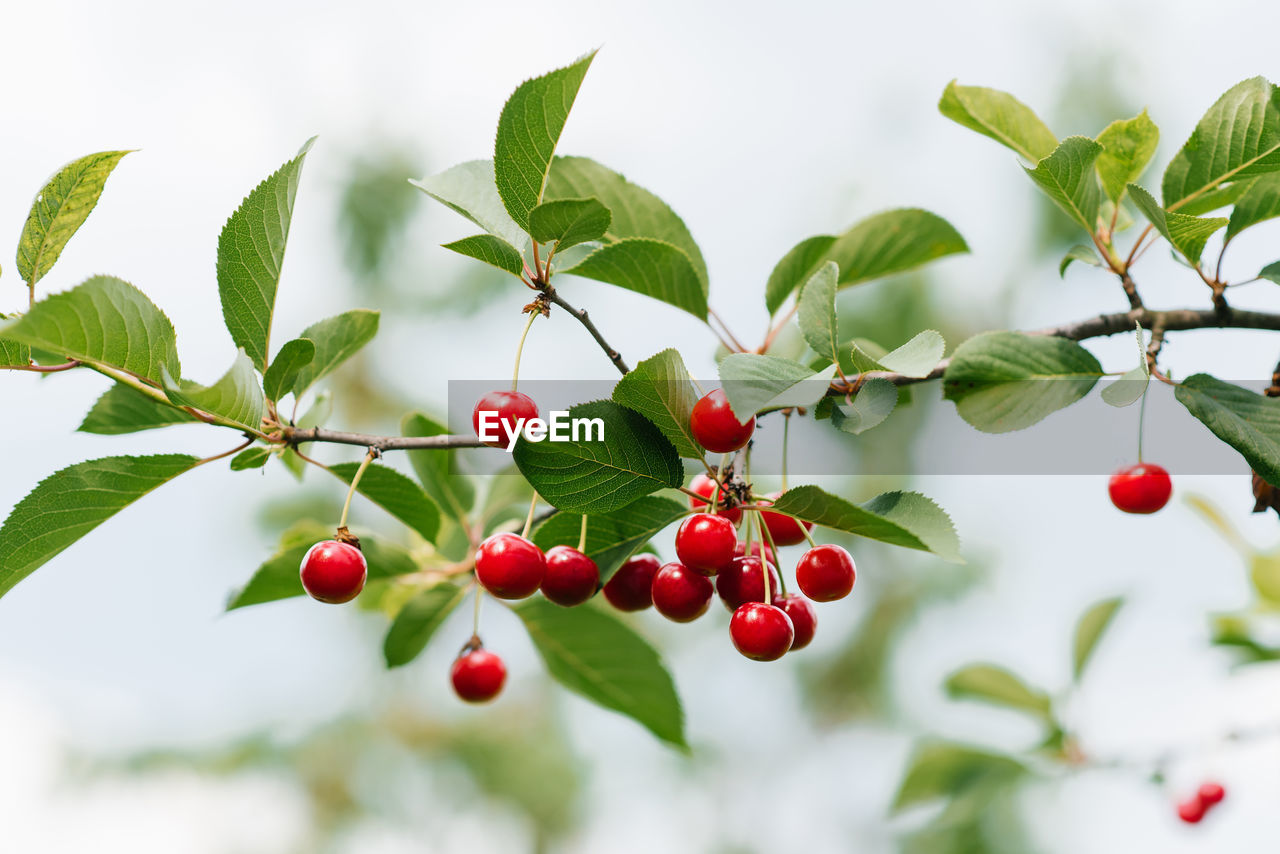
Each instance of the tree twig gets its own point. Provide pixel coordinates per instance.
(294, 436)
(581, 315)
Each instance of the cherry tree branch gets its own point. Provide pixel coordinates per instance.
(294, 436)
(581, 315)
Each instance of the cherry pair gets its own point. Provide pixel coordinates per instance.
(784, 530)
(511, 567)
(1194, 808)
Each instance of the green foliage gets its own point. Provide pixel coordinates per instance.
(874, 402)
(612, 538)
(916, 358)
(337, 339)
(1271, 272)
(1092, 626)
(660, 389)
(906, 519)
(288, 363)
(237, 397)
(650, 267)
(1188, 234)
(816, 312)
(753, 382)
(59, 210)
(1000, 116)
(250, 254)
(437, 469)
(252, 458)
(1127, 148)
(418, 620)
(493, 251)
(944, 770)
(13, 353)
(124, 409)
(795, 268)
(1260, 202)
(396, 494)
(1079, 252)
(568, 222)
(469, 189)
(1246, 421)
(1069, 179)
(593, 654)
(991, 684)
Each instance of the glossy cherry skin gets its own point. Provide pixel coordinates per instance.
(826, 573)
(509, 566)
(333, 572)
(804, 619)
(715, 427)
(1192, 810)
(758, 549)
(1211, 794)
(761, 632)
(680, 593)
(743, 582)
(631, 587)
(784, 530)
(511, 406)
(478, 676)
(706, 543)
(705, 486)
(1141, 488)
(571, 577)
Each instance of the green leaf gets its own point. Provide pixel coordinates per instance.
(493, 251)
(1215, 199)
(1246, 421)
(1000, 116)
(660, 389)
(253, 458)
(1127, 147)
(568, 222)
(13, 353)
(72, 502)
(60, 209)
(469, 189)
(872, 405)
(418, 620)
(944, 770)
(906, 519)
(995, 685)
(104, 320)
(754, 382)
(250, 254)
(1129, 388)
(1259, 203)
(1238, 136)
(794, 269)
(277, 578)
(337, 339)
(612, 538)
(593, 654)
(1089, 630)
(1271, 272)
(635, 211)
(396, 494)
(591, 476)
(1003, 381)
(650, 267)
(288, 363)
(124, 409)
(917, 358)
(438, 468)
(817, 311)
(1079, 252)
(237, 397)
(1068, 177)
(528, 131)
(1188, 234)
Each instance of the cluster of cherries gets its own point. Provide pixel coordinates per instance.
(1195, 808)
(1141, 488)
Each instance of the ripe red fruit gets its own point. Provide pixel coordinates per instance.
(761, 632)
(784, 530)
(1192, 810)
(478, 675)
(826, 573)
(743, 582)
(758, 549)
(680, 593)
(1211, 794)
(631, 587)
(509, 566)
(1141, 488)
(571, 577)
(715, 427)
(333, 572)
(803, 618)
(706, 543)
(705, 486)
(509, 407)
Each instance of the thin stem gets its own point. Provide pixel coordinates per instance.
(294, 436)
(43, 369)
(1142, 418)
(528, 522)
(764, 561)
(355, 482)
(515, 374)
(786, 429)
(582, 537)
(581, 315)
(804, 529)
(475, 614)
(711, 312)
(237, 449)
(773, 333)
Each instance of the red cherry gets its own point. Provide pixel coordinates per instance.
(803, 618)
(705, 486)
(506, 409)
(825, 573)
(784, 530)
(571, 577)
(680, 593)
(761, 632)
(705, 543)
(1141, 488)
(743, 582)
(333, 572)
(631, 587)
(715, 427)
(509, 566)
(1211, 794)
(478, 675)
(758, 549)
(1191, 810)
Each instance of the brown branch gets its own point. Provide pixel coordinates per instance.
(294, 436)
(581, 315)
(43, 369)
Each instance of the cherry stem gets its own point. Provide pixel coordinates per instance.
(786, 430)
(246, 443)
(582, 538)
(515, 375)
(475, 615)
(808, 536)
(1142, 418)
(764, 559)
(355, 482)
(44, 369)
(528, 522)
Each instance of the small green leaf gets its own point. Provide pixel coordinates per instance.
(493, 251)
(593, 654)
(1259, 203)
(437, 469)
(944, 770)
(1000, 116)
(568, 222)
(650, 267)
(1003, 381)
(1089, 630)
(1127, 147)
(871, 406)
(1069, 179)
(917, 358)
(396, 494)
(995, 685)
(660, 389)
(528, 131)
(418, 620)
(288, 363)
(250, 254)
(252, 458)
(123, 409)
(817, 311)
(754, 382)
(60, 209)
(794, 269)
(1129, 388)
(12, 353)
(1246, 421)
(1079, 252)
(590, 475)
(1188, 234)
(612, 538)
(1271, 272)
(469, 189)
(337, 339)
(72, 502)
(906, 519)
(237, 397)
